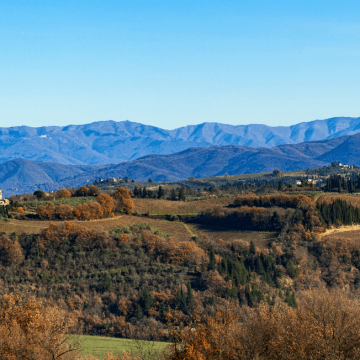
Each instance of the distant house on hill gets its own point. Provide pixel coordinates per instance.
(297, 182)
(346, 166)
(3, 202)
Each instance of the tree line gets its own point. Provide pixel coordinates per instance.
(104, 206)
(339, 212)
(338, 183)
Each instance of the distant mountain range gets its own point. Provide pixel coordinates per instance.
(18, 176)
(110, 142)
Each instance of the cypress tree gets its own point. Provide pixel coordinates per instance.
(190, 303)
(180, 301)
(146, 301)
(173, 195)
(280, 186)
(161, 192)
(181, 194)
(162, 310)
(252, 248)
(212, 262)
(139, 313)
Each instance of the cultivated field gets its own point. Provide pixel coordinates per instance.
(165, 207)
(177, 229)
(260, 238)
(349, 234)
(352, 199)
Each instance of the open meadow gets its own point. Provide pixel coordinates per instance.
(99, 346)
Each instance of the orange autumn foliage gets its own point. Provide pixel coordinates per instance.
(10, 250)
(89, 211)
(124, 200)
(80, 235)
(325, 326)
(173, 250)
(30, 329)
(107, 203)
(63, 193)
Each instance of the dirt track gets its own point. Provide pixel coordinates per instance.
(340, 230)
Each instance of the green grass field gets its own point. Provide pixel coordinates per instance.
(99, 346)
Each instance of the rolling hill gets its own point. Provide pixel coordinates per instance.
(27, 176)
(110, 142)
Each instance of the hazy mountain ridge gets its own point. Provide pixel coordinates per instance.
(27, 176)
(110, 142)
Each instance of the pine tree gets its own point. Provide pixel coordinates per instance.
(144, 192)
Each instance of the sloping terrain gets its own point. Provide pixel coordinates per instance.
(17, 176)
(110, 142)
(26, 176)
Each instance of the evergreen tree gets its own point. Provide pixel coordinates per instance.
(144, 192)
(252, 248)
(146, 301)
(139, 313)
(107, 282)
(173, 195)
(190, 302)
(162, 310)
(351, 185)
(280, 186)
(290, 299)
(161, 192)
(212, 262)
(181, 194)
(180, 301)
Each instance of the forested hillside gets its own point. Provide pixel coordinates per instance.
(137, 282)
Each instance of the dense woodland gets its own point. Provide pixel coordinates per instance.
(134, 282)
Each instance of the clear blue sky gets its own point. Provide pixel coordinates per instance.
(172, 63)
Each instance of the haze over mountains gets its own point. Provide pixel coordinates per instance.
(20, 175)
(110, 142)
